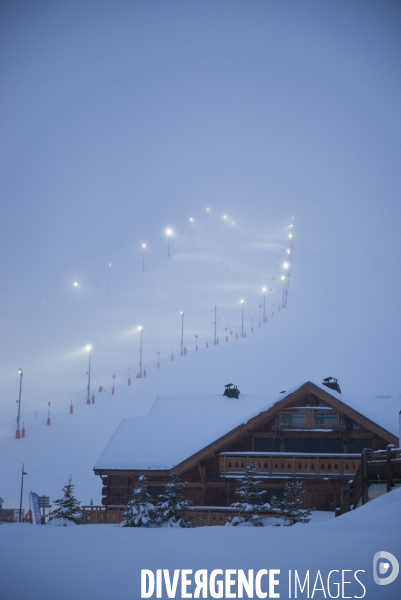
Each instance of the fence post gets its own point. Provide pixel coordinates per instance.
(350, 495)
(388, 466)
(365, 474)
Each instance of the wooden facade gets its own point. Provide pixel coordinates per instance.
(310, 436)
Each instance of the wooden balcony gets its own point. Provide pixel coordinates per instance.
(382, 467)
(290, 464)
(203, 516)
(92, 515)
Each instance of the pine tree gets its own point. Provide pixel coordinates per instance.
(140, 510)
(69, 509)
(251, 500)
(291, 504)
(172, 508)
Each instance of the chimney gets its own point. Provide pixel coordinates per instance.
(231, 391)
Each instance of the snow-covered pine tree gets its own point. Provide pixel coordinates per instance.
(69, 509)
(251, 500)
(140, 510)
(172, 508)
(291, 504)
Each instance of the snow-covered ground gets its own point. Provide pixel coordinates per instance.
(105, 561)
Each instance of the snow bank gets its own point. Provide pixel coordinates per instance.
(105, 561)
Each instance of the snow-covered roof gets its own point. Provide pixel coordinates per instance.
(179, 426)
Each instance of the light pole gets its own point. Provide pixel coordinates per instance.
(75, 294)
(18, 432)
(190, 229)
(283, 280)
(108, 289)
(143, 257)
(242, 318)
(140, 354)
(22, 488)
(88, 400)
(264, 305)
(169, 233)
(215, 324)
(182, 332)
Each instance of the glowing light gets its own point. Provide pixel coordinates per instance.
(143, 245)
(292, 224)
(263, 289)
(208, 210)
(75, 283)
(89, 348)
(286, 265)
(282, 278)
(242, 302)
(109, 264)
(169, 232)
(191, 219)
(140, 328)
(181, 312)
(288, 251)
(290, 235)
(224, 216)
(20, 371)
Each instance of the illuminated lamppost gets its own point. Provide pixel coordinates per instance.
(140, 354)
(18, 432)
(143, 257)
(290, 236)
(75, 284)
(264, 305)
(108, 288)
(169, 233)
(242, 318)
(182, 332)
(22, 487)
(215, 324)
(190, 229)
(88, 400)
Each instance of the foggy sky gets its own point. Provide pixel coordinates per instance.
(119, 119)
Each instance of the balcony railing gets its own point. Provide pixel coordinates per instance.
(290, 464)
(202, 516)
(380, 467)
(93, 514)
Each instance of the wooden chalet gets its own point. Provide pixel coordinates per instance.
(308, 434)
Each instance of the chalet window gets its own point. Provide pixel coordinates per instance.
(353, 426)
(314, 444)
(326, 419)
(265, 444)
(356, 445)
(155, 490)
(294, 419)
